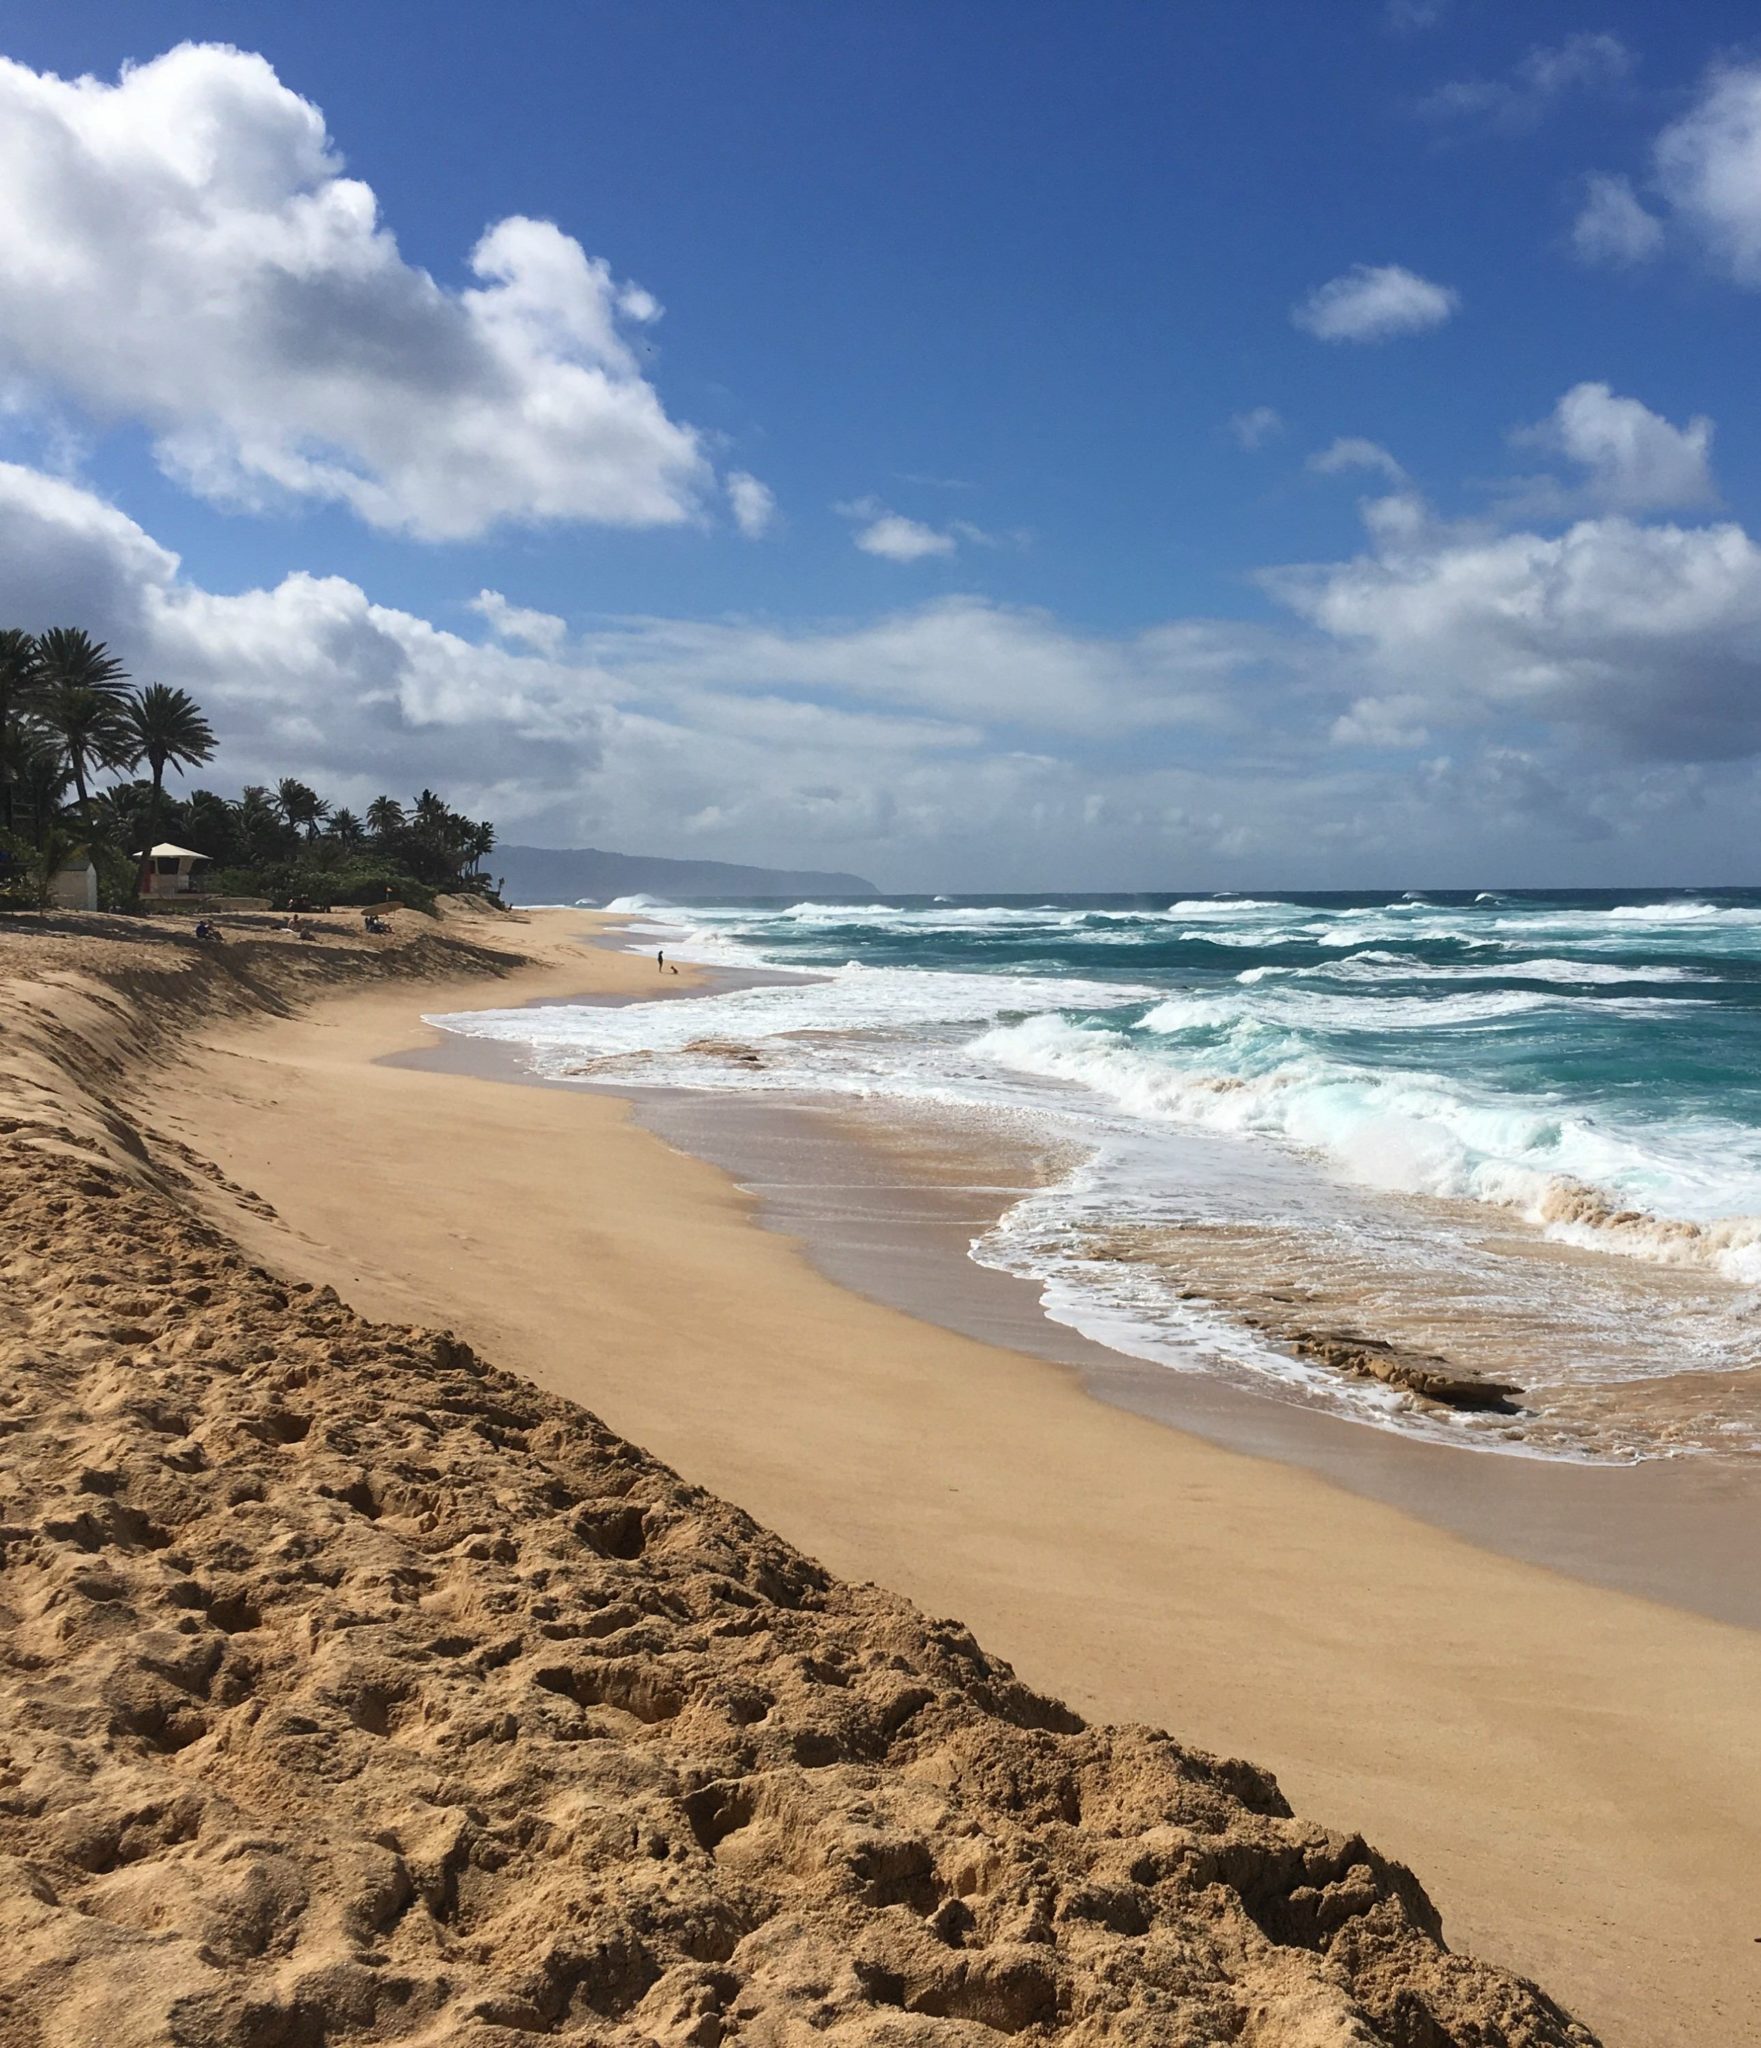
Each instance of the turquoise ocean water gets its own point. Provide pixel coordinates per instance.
(1520, 1130)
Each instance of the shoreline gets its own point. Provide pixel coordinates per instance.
(1569, 1769)
(355, 1687)
(1660, 1528)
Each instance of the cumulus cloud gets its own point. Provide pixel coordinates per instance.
(1706, 177)
(1516, 785)
(1254, 428)
(542, 630)
(915, 730)
(1709, 168)
(1634, 459)
(182, 247)
(971, 743)
(1383, 722)
(1641, 638)
(1582, 63)
(897, 539)
(1375, 302)
(894, 538)
(1352, 452)
(754, 504)
(1613, 227)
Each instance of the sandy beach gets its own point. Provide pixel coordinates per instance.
(1572, 1770)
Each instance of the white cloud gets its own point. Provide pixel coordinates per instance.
(897, 539)
(754, 504)
(541, 630)
(1612, 226)
(1254, 428)
(183, 248)
(1409, 17)
(1351, 452)
(1373, 302)
(1398, 720)
(750, 740)
(962, 657)
(1709, 168)
(1634, 459)
(1582, 63)
(964, 743)
(1642, 638)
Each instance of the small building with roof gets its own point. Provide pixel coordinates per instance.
(170, 870)
(74, 884)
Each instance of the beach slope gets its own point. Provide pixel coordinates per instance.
(352, 1690)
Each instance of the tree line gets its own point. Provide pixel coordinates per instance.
(69, 720)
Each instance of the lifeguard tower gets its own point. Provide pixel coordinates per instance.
(170, 870)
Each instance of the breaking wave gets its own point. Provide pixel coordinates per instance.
(1586, 1067)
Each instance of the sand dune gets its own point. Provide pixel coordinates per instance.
(353, 1690)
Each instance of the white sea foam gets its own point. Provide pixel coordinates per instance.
(1691, 912)
(1690, 1194)
(1386, 1071)
(1381, 967)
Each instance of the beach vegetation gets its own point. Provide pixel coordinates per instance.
(75, 738)
(166, 727)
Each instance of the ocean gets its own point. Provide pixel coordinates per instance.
(1510, 1136)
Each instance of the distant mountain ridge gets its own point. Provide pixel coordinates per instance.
(548, 874)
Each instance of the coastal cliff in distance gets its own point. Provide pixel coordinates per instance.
(353, 1691)
(549, 874)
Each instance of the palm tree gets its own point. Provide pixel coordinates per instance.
(300, 806)
(259, 825)
(18, 682)
(213, 825)
(346, 829)
(430, 816)
(68, 659)
(41, 770)
(385, 815)
(79, 684)
(93, 729)
(168, 730)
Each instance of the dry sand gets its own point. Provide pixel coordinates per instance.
(352, 1691)
(1572, 1771)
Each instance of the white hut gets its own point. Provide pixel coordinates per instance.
(170, 870)
(74, 884)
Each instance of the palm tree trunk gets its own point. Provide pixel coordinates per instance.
(158, 768)
(5, 763)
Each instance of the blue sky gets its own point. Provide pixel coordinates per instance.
(1002, 309)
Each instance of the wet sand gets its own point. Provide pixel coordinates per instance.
(890, 1207)
(1574, 1770)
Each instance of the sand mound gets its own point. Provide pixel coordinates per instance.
(351, 1690)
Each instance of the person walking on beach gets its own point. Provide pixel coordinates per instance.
(660, 961)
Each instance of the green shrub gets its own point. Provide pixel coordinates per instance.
(364, 879)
